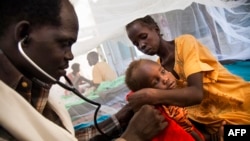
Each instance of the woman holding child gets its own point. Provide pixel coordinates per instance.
(212, 95)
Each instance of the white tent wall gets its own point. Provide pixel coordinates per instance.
(107, 18)
(222, 25)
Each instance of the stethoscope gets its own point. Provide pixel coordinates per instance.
(69, 87)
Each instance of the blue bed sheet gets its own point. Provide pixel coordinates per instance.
(240, 68)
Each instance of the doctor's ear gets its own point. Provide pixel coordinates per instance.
(22, 30)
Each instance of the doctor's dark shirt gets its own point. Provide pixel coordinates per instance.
(36, 93)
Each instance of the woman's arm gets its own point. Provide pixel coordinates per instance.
(190, 95)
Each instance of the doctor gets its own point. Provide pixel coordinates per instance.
(46, 30)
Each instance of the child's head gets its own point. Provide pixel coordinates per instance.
(145, 73)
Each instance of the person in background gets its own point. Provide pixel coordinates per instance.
(101, 70)
(45, 30)
(77, 79)
(213, 96)
(145, 73)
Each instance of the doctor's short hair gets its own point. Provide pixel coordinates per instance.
(37, 12)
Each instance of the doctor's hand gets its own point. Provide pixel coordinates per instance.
(145, 124)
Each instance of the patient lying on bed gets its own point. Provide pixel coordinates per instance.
(146, 73)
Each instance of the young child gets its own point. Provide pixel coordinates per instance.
(146, 73)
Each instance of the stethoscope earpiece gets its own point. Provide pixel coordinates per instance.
(26, 39)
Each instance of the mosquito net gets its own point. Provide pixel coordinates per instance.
(222, 25)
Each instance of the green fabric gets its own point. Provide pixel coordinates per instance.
(110, 84)
(71, 100)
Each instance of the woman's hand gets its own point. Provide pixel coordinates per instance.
(140, 98)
